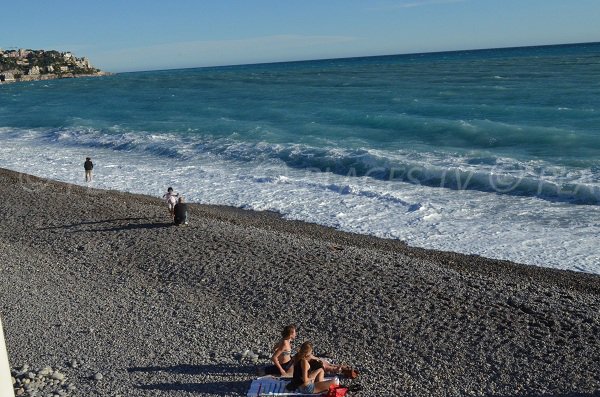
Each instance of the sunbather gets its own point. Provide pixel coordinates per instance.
(282, 354)
(304, 379)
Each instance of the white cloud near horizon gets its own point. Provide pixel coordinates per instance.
(217, 52)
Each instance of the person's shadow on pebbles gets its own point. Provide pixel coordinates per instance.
(211, 373)
(113, 225)
(134, 226)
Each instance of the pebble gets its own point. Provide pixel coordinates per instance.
(36, 383)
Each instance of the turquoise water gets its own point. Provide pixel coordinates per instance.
(340, 142)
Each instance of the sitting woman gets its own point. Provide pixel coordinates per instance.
(282, 354)
(305, 380)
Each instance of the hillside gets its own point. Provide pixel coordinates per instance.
(29, 65)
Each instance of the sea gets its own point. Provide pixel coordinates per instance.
(488, 152)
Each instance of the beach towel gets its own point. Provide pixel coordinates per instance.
(271, 386)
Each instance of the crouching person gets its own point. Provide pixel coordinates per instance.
(180, 212)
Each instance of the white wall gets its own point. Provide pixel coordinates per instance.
(6, 387)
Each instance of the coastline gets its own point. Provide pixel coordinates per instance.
(464, 201)
(50, 76)
(110, 283)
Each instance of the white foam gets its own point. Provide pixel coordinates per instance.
(522, 229)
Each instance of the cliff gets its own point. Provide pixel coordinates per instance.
(30, 65)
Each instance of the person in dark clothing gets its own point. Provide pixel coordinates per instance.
(88, 166)
(181, 212)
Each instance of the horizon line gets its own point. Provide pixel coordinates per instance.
(361, 56)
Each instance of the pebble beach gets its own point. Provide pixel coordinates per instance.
(101, 296)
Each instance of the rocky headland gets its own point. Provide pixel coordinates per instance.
(32, 65)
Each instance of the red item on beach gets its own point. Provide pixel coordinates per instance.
(336, 391)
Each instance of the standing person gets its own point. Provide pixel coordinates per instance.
(88, 166)
(171, 198)
(180, 212)
(282, 354)
(306, 381)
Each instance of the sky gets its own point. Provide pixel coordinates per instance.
(136, 35)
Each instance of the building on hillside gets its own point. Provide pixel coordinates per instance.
(34, 71)
(84, 63)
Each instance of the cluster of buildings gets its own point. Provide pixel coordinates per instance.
(28, 65)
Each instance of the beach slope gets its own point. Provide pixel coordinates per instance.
(101, 287)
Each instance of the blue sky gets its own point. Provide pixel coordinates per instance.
(128, 35)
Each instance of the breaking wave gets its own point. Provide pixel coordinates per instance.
(478, 172)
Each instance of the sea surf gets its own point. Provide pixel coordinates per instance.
(489, 152)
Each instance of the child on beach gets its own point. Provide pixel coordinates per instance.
(171, 198)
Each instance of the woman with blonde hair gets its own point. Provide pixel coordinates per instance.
(306, 381)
